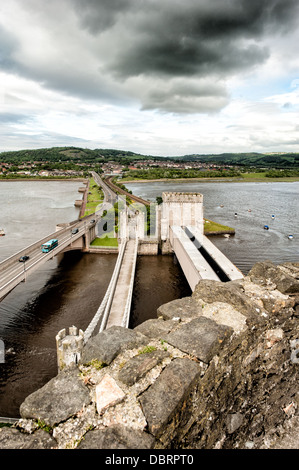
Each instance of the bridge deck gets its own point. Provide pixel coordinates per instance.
(200, 258)
(193, 264)
(123, 290)
(227, 267)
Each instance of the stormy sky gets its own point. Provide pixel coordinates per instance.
(159, 77)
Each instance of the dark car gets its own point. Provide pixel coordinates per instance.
(75, 230)
(23, 258)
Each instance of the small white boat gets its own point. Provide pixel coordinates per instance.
(290, 237)
(2, 233)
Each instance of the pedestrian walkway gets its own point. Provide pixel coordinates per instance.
(120, 307)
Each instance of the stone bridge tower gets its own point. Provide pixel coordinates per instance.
(179, 209)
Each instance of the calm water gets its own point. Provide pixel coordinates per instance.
(65, 291)
(31, 209)
(251, 243)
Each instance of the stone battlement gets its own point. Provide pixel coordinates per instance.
(182, 197)
(217, 370)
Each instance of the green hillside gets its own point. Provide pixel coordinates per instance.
(258, 160)
(80, 155)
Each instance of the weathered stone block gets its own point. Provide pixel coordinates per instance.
(11, 438)
(228, 292)
(108, 393)
(109, 343)
(138, 366)
(225, 314)
(117, 437)
(201, 337)
(266, 270)
(60, 398)
(233, 422)
(166, 396)
(183, 309)
(155, 328)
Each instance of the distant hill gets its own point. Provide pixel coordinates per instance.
(80, 155)
(258, 160)
(66, 154)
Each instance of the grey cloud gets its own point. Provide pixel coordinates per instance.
(185, 96)
(8, 45)
(187, 40)
(186, 37)
(14, 140)
(12, 118)
(98, 16)
(150, 42)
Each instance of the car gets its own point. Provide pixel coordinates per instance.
(23, 258)
(75, 230)
(92, 221)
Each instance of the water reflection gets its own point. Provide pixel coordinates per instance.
(158, 280)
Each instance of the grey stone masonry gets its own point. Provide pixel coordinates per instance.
(165, 398)
(139, 365)
(201, 337)
(69, 347)
(11, 438)
(180, 309)
(153, 328)
(107, 345)
(267, 271)
(117, 437)
(60, 398)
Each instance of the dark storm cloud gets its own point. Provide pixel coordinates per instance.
(186, 38)
(171, 55)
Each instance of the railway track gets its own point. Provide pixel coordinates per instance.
(115, 188)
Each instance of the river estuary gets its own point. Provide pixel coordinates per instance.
(59, 296)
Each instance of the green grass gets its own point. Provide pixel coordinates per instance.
(147, 349)
(261, 176)
(95, 197)
(210, 226)
(105, 241)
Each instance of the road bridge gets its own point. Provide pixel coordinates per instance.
(73, 236)
(76, 235)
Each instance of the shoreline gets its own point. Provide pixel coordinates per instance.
(42, 179)
(292, 179)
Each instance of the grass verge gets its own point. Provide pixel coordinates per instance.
(105, 241)
(95, 197)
